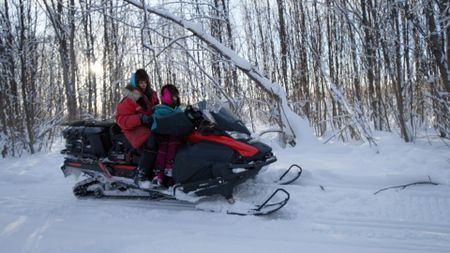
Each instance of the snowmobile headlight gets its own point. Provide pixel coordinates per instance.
(238, 170)
(238, 135)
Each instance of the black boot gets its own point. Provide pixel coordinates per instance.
(141, 179)
(148, 157)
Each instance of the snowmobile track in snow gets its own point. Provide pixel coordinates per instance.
(412, 220)
(420, 236)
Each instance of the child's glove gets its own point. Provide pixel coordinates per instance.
(146, 120)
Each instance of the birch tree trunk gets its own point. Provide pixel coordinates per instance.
(437, 48)
(399, 81)
(283, 45)
(10, 91)
(24, 76)
(56, 15)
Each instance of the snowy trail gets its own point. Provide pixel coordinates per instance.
(38, 212)
(416, 221)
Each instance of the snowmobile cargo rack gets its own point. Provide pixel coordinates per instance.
(90, 123)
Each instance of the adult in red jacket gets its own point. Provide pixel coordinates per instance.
(134, 116)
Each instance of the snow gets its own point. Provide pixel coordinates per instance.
(332, 208)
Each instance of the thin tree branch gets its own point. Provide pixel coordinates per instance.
(406, 185)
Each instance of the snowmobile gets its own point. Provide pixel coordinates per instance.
(218, 154)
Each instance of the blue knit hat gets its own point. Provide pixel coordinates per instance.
(133, 81)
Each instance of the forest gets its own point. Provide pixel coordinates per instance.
(347, 67)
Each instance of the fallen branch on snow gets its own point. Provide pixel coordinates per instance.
(406, 185)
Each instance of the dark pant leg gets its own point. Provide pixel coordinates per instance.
(148, 157)
(162, 152)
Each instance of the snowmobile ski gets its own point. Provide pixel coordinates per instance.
(289, 178)
(267, 207)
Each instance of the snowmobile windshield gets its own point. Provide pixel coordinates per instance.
(224, 118)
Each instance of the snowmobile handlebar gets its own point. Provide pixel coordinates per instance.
(194, 115)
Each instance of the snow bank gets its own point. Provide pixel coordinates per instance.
(332, 207)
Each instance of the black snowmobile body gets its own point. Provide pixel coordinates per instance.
(210, 161)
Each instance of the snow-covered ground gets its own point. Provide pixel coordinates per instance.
(332, 208)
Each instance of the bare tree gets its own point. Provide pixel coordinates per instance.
(65, 39)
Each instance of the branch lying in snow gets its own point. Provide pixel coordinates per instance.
(336, 134)
(355, 113)
(406, 185)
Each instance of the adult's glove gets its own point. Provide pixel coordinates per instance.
(146, 120)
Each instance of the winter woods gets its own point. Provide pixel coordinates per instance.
(348, 67)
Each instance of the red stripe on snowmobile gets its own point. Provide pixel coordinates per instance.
(242, 148)
(74, 164)
(125, 167)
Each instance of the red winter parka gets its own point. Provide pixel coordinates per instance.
(128, 114)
